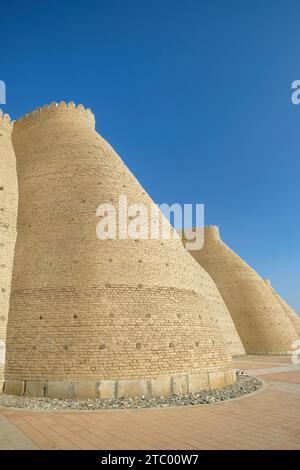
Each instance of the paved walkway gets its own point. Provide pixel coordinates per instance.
(268, 419)
(11, 438)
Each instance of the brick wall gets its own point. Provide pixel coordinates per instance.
(262, 323)
(294, 318)
(221, 315)
(8, 209)
(84, 308)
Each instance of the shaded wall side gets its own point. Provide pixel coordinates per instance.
(8, 213)
(294, 318)
(221, 315)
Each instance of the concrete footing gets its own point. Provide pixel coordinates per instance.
(270, 353)
(180, 384)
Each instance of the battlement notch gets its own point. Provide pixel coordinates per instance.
(56, 110)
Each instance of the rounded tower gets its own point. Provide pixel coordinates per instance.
(92, 317)
(263, 325)
(222, 315)
(294, 318)
(8, 214)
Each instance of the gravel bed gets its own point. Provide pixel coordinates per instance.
(244, 385)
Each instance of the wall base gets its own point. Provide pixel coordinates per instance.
(282, 353)
(180, 384)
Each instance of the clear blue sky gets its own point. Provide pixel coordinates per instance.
(194, 95)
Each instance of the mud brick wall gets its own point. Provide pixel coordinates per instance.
(262, 323)
(290, 312)
(221, 314)
(84, 308)
(8, 214)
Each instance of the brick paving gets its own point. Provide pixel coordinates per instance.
(267, 419)
(241, 365)
(11, 438)
(288, 377)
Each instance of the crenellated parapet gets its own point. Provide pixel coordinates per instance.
(57, 111)
(6, 124)
(212, 231)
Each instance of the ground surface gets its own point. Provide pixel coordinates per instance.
(267, 419)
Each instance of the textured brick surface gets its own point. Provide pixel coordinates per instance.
(88, 309)
(261, 321)
(222, 315)
(295, 319)
(8, 215)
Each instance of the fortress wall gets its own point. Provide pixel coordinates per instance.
(221, 315)
(224, 321)
(8, 209)
(98, 311)
(262, 323)
(294, 318)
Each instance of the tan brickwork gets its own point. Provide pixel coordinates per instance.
(8, 214)
(222, 316)
(84, 309)
(262, 323)
(290, 312)
(224, 320)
